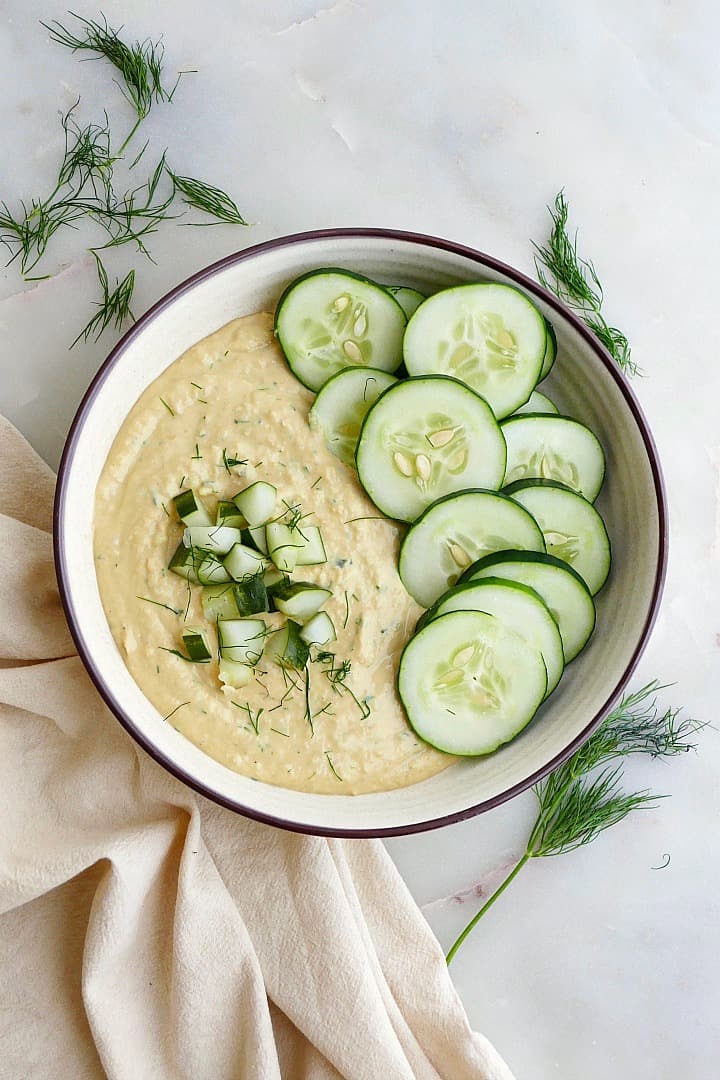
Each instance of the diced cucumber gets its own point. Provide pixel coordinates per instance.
(184, 563)
(408, 299)
(287, 648)
(341, 406)
(424, 438)
(210, 570)
(300, 599)
(251, 596)
(199, 567)
(517, 606)
(257, 503)
(215, 538)
(554, 448)
(490, 336)
(455, 531)
(196, 646)
(242, 561)
(233, 673)
(257, 537)
(228, 514)
(331, 319)
(563, 590)
(571, 526)
(469, 683)
(537, 403)
(550, 351)
(283, 544)
(218, 602)
(242, 640)
(190, 509)
(273, 577)
(319, 630)
(311, 551)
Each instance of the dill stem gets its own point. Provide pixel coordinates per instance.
(134, 128)
(488, 904)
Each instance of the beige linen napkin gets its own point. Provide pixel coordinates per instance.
(145, 933)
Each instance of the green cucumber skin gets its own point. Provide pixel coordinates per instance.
(535, 480)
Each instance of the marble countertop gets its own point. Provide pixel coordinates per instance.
(463, 120)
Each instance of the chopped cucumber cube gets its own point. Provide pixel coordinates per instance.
(301, 599)
(251, 596)
(287, 648)
(218, 602)
(242, 561)
(257, 503)
(184, 563)
(228, 514)
(256, 537)
(233, 673)
(191, 509)
(242, 640)
(312, 549)
(283, 545)
(210, 570)
(319, 630)
(196, 646)
(216, 538)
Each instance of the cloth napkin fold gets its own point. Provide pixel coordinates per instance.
(147, 934)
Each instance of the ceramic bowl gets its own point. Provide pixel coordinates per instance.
(585, 382)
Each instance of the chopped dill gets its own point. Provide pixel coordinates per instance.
(197, 456)
(332, 767)
(254, 718)
(157, 603)
(114, 306)
(180, 706)
(229, 462)
(167, 406)
(347, 610)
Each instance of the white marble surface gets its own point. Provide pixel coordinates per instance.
(463, 119)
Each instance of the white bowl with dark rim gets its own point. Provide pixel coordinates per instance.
(585, 382)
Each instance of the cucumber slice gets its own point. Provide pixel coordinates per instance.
(331, 319)
(196, 646)
(341, 406)
(424, 438)
(492, 337)
(408, 299)
(455, 531)
(242, 640)
(550, 351)
(311, 551)
(562, 589)
(572, 528)
(184, 562)
(320, 630)
(517, 606)
(287, 648)
(537, 403)
(227, 513)
(301, 599)
(554, 448)
(242, 562)
(218, 602)
(190, 509)
(257, 503)
(469, 684)
(215, 538)
(233, 673)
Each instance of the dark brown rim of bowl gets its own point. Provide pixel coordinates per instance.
(482, 260)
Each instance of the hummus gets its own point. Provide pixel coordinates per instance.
(232, 397)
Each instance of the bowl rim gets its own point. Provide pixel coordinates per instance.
(349, 233)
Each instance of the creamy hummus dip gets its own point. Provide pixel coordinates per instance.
(232, 397)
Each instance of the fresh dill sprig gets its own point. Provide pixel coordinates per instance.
(584, 796)
(230, 462)
(114, 306)
(157, 603)
(575, 281)
(139, 63)
(208, 198)
(253, 717)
